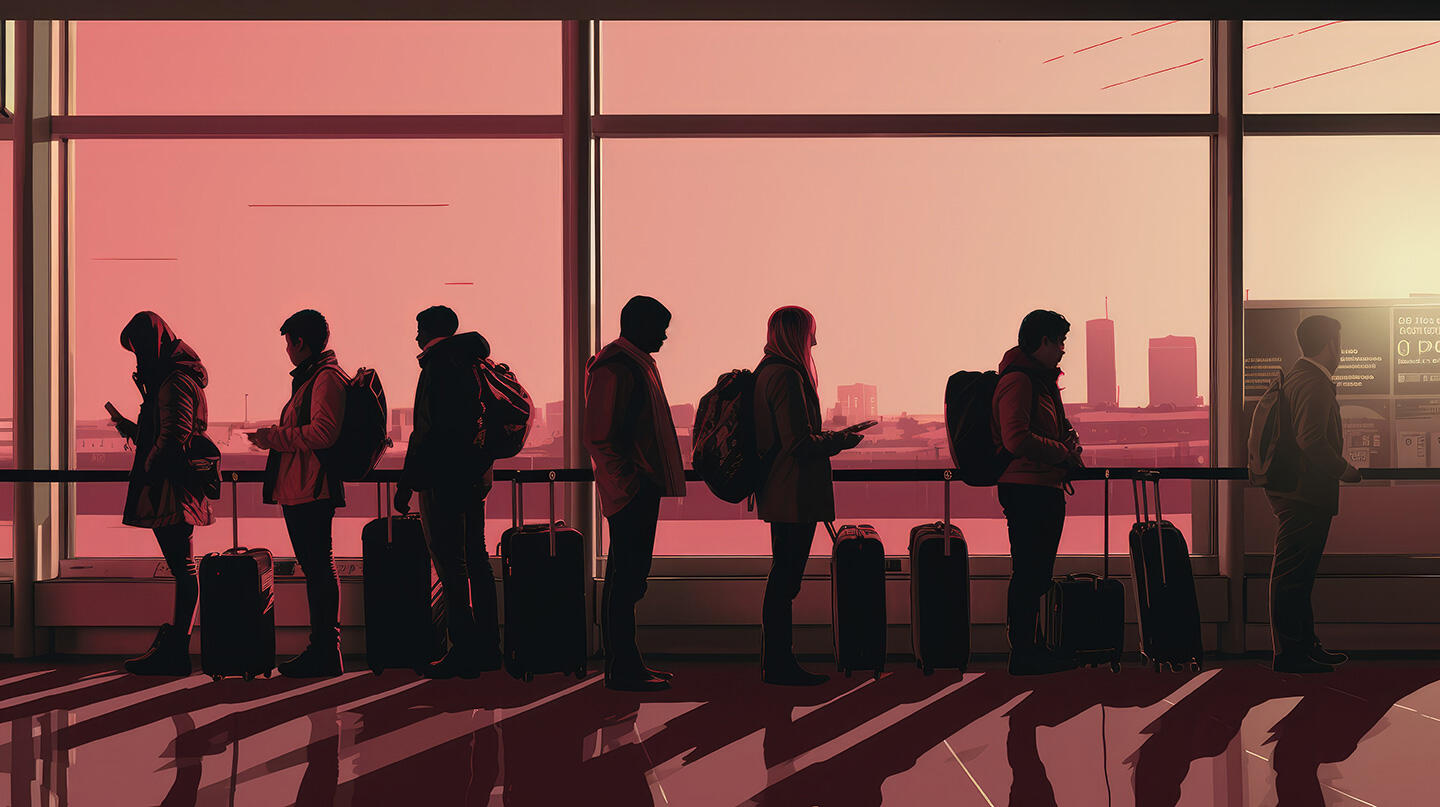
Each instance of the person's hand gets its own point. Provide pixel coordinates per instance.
(1351, 475)
(125, 426)
(849, 440)
(402, 500)
(260, 438)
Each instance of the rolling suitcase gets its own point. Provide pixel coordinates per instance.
(543, 576)
(1084, 615)
(940, 594)
(237, 607)
(1165, 599)
(857, 598)
(404, 607)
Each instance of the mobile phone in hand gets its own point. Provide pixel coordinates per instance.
(114, 413)
(862, 426)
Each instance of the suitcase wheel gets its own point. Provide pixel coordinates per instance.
(1195, 666)
(581, 672)
(1114, 666)
(249, 676)
(529, 677)
(216, 678)
(847, 673)
(878, 673)
(928, 670)
(1155, 665)
(377, 670)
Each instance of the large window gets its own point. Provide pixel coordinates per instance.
(1342, 66)
(1342, 226)
(7, 337)
(918, 258)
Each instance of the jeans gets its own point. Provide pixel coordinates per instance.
(175, 545)
(1299, 545)
(454, 519)
(311, 536)
(1035, 516)
(632, 546)
(789, 550)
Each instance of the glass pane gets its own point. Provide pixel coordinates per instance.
(225, 239)
(316, 68)
(919, 257)
(7, 363)
(1342, 66)
(904, 67)
(1355, 241)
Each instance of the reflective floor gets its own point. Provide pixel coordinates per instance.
(81, 734)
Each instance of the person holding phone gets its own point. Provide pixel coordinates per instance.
(799, 491)
(172, 381)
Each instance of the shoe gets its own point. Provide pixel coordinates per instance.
(455, 664)
(313, 663)
(644, 682)
(1299, 664)
(1037, 662)
(654, 673)
(169, 654)
(1331, 657)
(791, 675)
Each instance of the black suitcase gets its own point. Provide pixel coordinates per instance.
(543, 577)
(237, 608)
(1165, 601)
(857, 598)
(404, 607)
(940, 594)
(1084, 615)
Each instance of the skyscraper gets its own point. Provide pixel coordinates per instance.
(858, 402)
(1173, 373)
(1100, 389)
(555, 418)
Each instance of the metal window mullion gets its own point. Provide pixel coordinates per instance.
(298, 127)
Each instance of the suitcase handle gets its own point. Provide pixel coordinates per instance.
(517, 505)
(945, 531)
(234, 510)
(1140, 486)
(1105, 529)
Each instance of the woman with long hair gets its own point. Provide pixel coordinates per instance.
(160, 497)
(798, 492)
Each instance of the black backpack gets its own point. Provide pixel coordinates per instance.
(364, 431)
(503, 417)
(969, 402)
(724, 437)
(1271, 451)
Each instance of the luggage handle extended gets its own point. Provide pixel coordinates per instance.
(234, 511)
(1141, 490)
(945, 530)
(517, 509)
(1105, 530)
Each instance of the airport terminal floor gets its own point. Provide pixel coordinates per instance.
(75, 732)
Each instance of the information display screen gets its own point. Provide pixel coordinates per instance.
(1388, 381)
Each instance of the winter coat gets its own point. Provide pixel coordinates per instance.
(1030, 423)
(799, 487)
(442, 450)
(1315, 418)
(293, 472)
(171, 414)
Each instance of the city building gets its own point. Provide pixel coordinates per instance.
(1173, 373)
(856, 402)
(1101, 391)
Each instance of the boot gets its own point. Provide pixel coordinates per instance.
(169, 654)
(786, 671)
(314, 662)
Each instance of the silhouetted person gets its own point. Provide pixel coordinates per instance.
(297, 480)
(1305, 513)
(799, 490)
(161, 495)
(453, 476)
(1029, 422)
(632, 443)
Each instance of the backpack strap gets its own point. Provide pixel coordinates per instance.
(326, 478)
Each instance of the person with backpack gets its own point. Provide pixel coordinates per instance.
(1306, 505)
(798, 491)
(633, 446)
(1028, 422)
(445, 463)
(308, 494)
(161, 496)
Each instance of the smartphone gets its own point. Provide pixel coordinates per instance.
(114, 413)
(862, 426)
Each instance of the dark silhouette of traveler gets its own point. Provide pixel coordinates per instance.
(799, 489)
(1029, 422)
(1305, 513)
(632, 443)
(161, 496)
(296, 479)
(453, 477)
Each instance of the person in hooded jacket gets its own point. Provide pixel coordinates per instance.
(296, 479)
(161, 496)
(453, 477)
(632, 443)
(799, 489)
(1028, 421)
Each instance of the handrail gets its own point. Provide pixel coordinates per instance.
(840, 475)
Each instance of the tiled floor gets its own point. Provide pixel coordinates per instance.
(1236, 735)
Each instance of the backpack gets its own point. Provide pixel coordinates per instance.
(363, 431)
(725, 455)
(1271, 451)
(969, 403)
(503, 417)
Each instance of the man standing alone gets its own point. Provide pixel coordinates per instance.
(1305, 512)
(632, 444)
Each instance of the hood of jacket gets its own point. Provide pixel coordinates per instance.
(462, 348)
(1020, 360)
(308, 368)
(159, 352)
